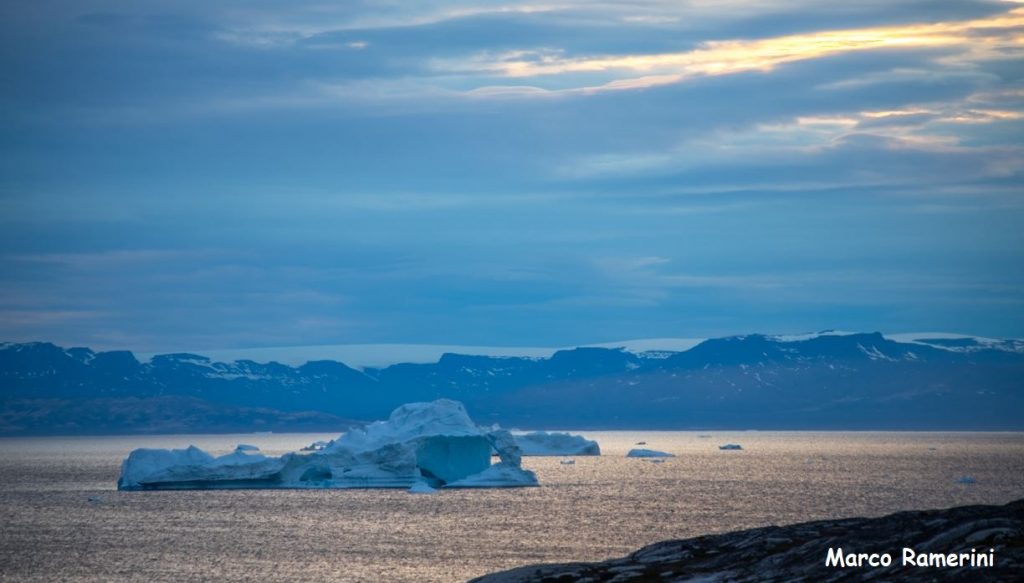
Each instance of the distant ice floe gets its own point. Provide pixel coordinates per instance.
(640, 452)
(731, 447)
(942, 340)
(420, 445)
(542, 443)
(654, 348)
(808, 336)
(959, 342)
(364, 356)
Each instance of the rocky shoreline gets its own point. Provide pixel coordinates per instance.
(798, 552)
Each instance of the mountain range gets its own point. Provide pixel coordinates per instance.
(817, 381)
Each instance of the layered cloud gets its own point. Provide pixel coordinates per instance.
(222, 174)
(991, 38)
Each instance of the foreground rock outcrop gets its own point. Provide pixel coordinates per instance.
(799, 552)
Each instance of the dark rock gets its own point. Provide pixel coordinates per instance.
(798, 552)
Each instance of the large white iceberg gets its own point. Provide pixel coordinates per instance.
(421, 444)
(544, 443)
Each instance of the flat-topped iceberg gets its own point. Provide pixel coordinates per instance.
(420, 445)
(640, 452)
(543, 443)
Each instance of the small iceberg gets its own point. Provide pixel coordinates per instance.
(648, 453)
(730, 447)
(435, 444)
(542, 443)
(316, 446)
(422, 488)
(499, 475)
(568, 462)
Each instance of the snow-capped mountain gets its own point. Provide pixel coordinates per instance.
(822, 380)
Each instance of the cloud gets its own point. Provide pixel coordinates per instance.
(990, 37)
(230, 173)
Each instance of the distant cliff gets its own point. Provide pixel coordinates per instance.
(799, 552)
(822, 381)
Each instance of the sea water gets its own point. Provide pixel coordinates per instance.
(63, 520)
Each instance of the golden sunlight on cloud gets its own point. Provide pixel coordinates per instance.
(951, 114)
(933, 127)
(984, 116)
(896, 113)
(902, 127)
(993, 37)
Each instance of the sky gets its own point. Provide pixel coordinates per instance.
(224, 174)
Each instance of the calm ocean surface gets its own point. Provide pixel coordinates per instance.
(600, 507)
